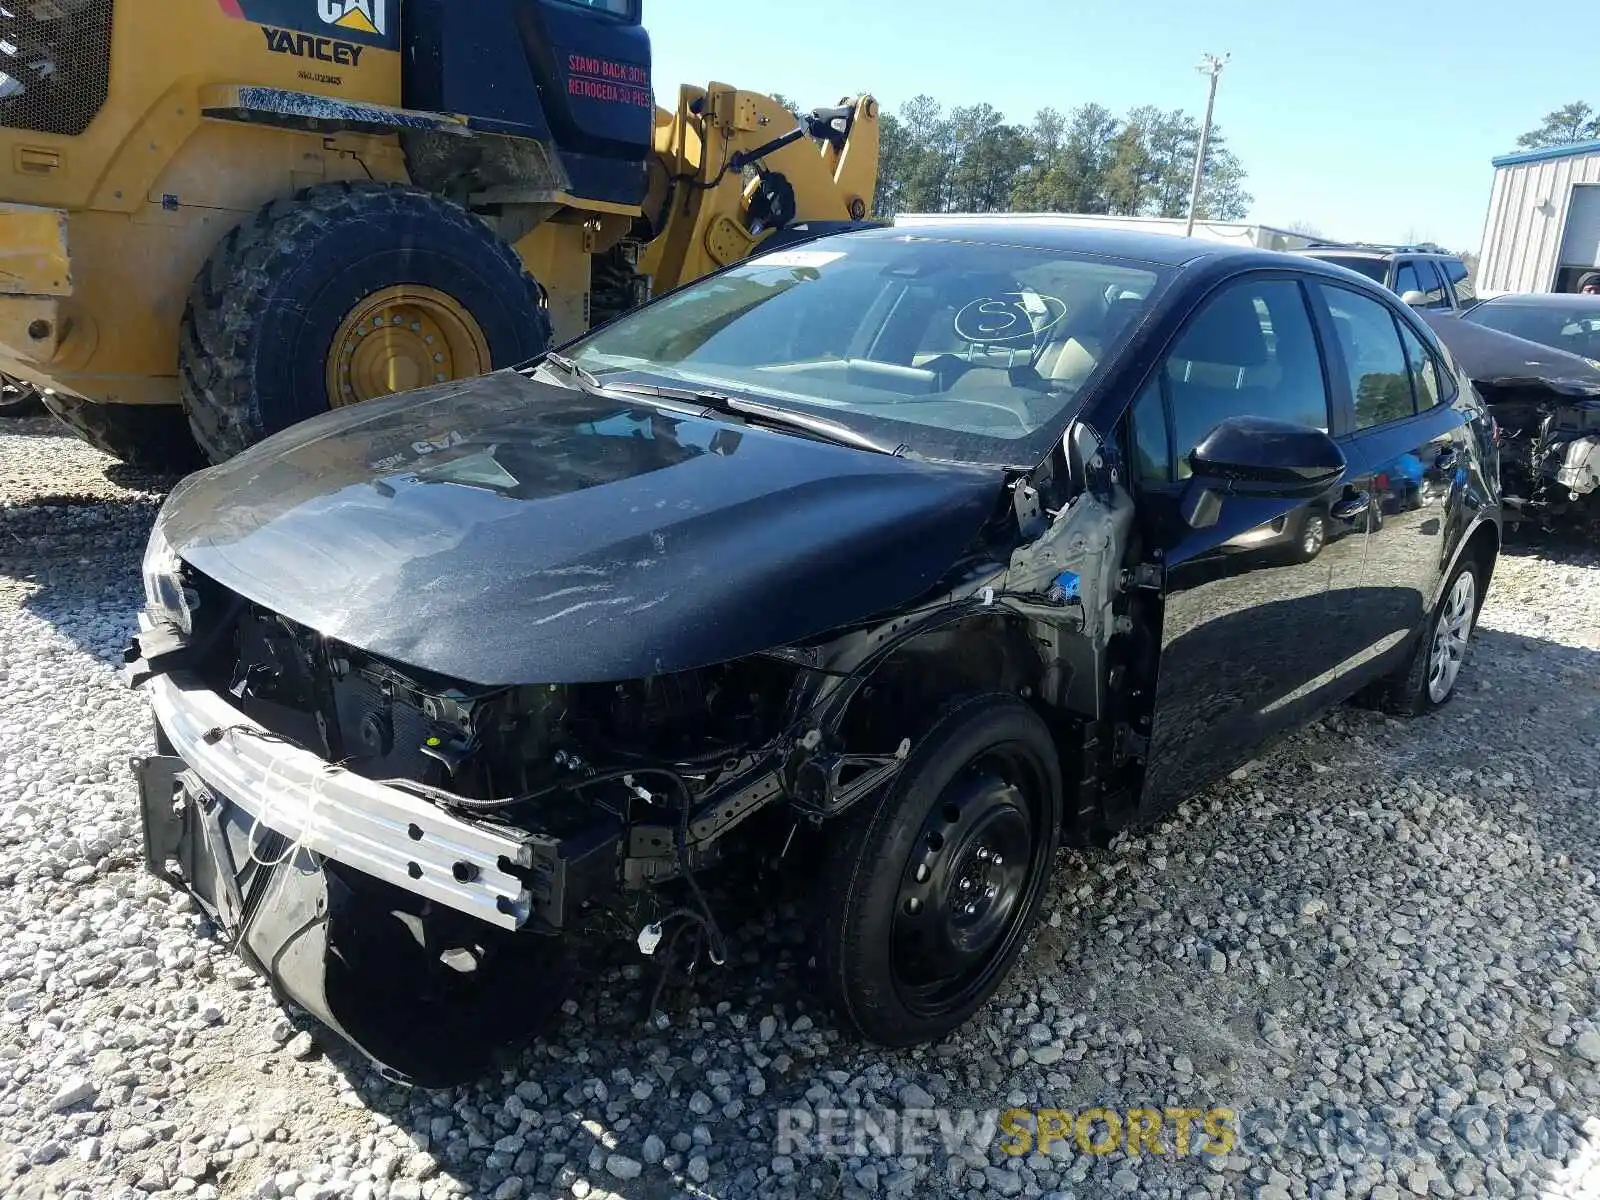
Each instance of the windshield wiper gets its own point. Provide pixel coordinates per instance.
(586, 378)
(753, 410)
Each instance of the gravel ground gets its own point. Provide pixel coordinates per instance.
(1377, 946)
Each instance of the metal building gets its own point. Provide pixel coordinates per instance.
(1238, 233)
(1543, 227)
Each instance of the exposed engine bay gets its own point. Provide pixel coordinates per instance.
(1549, 451)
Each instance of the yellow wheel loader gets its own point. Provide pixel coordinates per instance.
(224, 216)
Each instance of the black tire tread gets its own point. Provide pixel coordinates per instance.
(221, 321)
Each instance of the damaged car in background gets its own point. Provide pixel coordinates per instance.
(1545, 402)
(925, 553)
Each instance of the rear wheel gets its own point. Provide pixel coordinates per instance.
(342, 294)
(930, 889)
(1429, 677)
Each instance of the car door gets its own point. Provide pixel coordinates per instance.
(1408, 453)
(1244, 599)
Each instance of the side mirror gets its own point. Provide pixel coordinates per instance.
(1415, 298)
(1258, 456)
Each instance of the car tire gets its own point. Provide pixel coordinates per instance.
(276, 324)
(1429, 677)
(975, 813)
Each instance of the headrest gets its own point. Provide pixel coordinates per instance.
(1227, 333)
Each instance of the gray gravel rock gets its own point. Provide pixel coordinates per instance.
(1379, 932)
(74, 1090)
(1587, 1047)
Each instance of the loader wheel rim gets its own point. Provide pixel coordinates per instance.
(403, 337)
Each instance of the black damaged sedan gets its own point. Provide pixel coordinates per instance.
(918, 552)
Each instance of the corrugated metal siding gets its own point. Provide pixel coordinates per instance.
(1528, 208)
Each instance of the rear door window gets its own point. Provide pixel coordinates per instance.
(1432, 284)
(1369, 341)
(1375, 269)
(628, 10)
(1460, 280)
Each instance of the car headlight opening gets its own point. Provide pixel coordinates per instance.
(165, 597)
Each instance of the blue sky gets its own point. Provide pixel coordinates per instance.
(1378, 125)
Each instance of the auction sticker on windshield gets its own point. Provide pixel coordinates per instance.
(1009, 317)
(800, 258)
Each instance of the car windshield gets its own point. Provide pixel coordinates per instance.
(1376, 269)
(955, 350)
(1575, 328)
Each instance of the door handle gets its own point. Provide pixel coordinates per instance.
(1448, 459)
(1352, 507)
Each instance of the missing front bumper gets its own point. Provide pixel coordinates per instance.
(505, 877)
(416, 937)
(426, 994)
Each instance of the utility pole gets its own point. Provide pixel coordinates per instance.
(1211, 65)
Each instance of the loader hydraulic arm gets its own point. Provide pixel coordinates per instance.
(731, 167)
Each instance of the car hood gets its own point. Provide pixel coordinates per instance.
(1503, 359)
(502, 530)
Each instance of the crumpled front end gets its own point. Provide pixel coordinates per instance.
(1549, 450)
(430, 725)
(1546, 408)
(409, 858)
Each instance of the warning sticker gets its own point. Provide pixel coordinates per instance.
(799, 258)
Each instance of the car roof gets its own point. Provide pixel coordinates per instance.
(1544, 300)
(1158, 249)
(1131, 246)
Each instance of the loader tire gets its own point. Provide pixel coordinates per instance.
(309, 277)
(152, 437)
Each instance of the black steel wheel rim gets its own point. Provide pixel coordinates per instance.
(969, 882)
